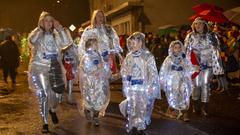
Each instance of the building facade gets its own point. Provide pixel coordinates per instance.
(127, 16)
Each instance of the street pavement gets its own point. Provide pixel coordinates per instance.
(19, 115)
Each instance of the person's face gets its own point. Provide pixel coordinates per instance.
(177, 49)
(47, 23)
(94, 45)
(199, 26)
(99, 18)
(135, 45)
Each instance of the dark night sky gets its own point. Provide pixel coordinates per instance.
(22, 15)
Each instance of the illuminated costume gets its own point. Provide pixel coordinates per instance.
(140, 86)
(46, 69)
(108, 39)
(94, 85)
(175, 77)
(203, 48)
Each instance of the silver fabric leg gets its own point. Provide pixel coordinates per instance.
(41, 86)
(137, 110)
(206, 77)
(47, 98)
(196, 89)
(54, 100)
(69, 89)
(43, 106)
(150, 106)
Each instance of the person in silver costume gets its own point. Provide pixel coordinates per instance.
(140, 84)
(175, 77)
(94, 82)
(71, 62)
(109, 45)
(46, 42)
(204, 46)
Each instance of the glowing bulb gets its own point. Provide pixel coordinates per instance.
(72, 27)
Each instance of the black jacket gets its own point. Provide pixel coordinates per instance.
(9, 54)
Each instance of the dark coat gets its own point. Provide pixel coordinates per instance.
(9, 54)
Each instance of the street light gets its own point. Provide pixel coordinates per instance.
(72, 27)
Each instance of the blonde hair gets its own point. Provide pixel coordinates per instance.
(93, 18)
(42, 16)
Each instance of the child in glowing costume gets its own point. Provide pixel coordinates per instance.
(140, 84)
(175, 77)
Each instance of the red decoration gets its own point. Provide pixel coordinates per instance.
(205, 6)
(194, 61)
(69, 74)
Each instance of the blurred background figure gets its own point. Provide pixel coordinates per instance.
(9, 54)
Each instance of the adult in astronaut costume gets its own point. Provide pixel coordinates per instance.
(46, 42)
(203, 48)
(109, 45)
(140, 84)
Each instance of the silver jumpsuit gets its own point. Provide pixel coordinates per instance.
(44, 46)
(205, 46)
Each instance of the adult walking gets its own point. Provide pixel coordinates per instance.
(46, 74)
(109, 45)
(203, 48)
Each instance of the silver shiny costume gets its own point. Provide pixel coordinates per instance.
(71, 61)
(206, 48)
(107, 38)
(94, 82)
(44, 46)
(140, 87)
(108, 41)
(175, 77)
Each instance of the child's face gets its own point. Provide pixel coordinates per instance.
(177, 49)
(135, 45)
(94, 45)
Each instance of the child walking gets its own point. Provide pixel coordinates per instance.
(94, 82)
(175, 77)
(140, 85)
